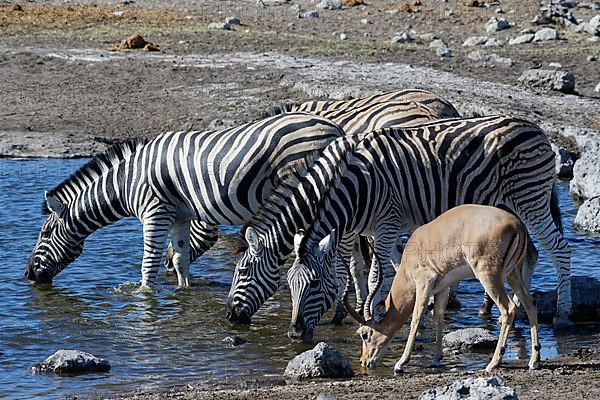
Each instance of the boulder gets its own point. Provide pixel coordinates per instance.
(544, 79)
(330, 5)
(545, 34)
(588, 216)
(527, 38)
(586, 174)
(491, 388)
(585, 292)
(323, 361)
(469, 339)
(72, 361)
(495, 24)
(564, 162)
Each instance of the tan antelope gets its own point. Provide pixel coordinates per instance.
(466, 241)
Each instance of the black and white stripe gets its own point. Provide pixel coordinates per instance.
(216, 177)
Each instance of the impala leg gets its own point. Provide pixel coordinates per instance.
(520, 289)
(494, 287)
(421, 300)
(440, 301)
(180, 236)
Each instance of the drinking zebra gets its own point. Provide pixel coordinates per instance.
(379, 185)
(217, 177)
(390, 109)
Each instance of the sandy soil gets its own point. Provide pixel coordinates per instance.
(58, 101)
(574, 376)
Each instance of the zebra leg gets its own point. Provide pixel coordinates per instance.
(343, 256)
(180, 241)
(203, 236)
(379, 285)
(358, 269)
(156, 232)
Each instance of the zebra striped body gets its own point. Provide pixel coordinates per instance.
(217, 177)
(391, 109)
(398, 179)
(395, 180)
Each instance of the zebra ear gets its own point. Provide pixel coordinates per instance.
(252, 239)
(326, 244)
(55, 205)
(298, 240)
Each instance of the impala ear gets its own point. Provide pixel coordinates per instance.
(298, 240)
(252, 239)
(54, 205)
(326, 244)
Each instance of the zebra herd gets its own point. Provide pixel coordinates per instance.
(332, 182)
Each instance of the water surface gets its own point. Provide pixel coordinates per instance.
(175, 336)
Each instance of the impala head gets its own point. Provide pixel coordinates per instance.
(374, 344)
(255, 279)
(56, 246)
(312, 284)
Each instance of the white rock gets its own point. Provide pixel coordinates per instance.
(437, 43)
(119, 13)
(492, 388)
(555, 65)
(495, 24)
(330, 5)
(364, 21)
(586, 174)
(526, 38)
(545, 79)
(343, 36)
(402, 37)
(597, 88)
(219, 26)
(546, 34)
(493, 42)
(309, 14)
(588, 216)
(475, 41)
(482, 56)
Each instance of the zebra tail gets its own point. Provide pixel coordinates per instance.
(555, 209)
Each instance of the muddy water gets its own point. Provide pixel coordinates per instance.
(175, 336)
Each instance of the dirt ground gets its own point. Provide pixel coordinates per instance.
(574, 376)
(60, 100)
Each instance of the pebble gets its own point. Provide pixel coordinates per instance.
(309, 14)
(443, 52)
(219, 26)
(555, 65)
(597, 88)
(234, 341)
(364, 21)
(343, 36)
(495, 24)
(493, 42)
(475, 41)
(591, 58)
(402, 37)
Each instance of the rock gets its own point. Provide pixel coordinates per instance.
(589, 6)
(310, 14)
(428, 37)
(588, 216)
(365, 21)
(597, 88)
(475, 41)
(593, 27)
(555, 65)
(495, 24)
(71, 361)
(561, 81)
(585, 292)
(323, 361)
(443, 52)
(554, 12)
(491, 388)
(482, 56)
(437, 43)
(232, 21)
(233, 341)
(564, 162)
(343, 36)
(403, 37)
(591, 58)
(493, 42)
(219, 26)
(586, 174)
(527, 38)
(470, 339)
(329, 5)
(545, 34)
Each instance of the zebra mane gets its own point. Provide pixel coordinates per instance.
(278, 109)
(94, 168)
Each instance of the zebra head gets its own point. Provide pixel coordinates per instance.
(255, 279)
(312, 284)
(56, 246)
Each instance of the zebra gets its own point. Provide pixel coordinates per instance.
(217, 177)
(409, 177)
(394, 108)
